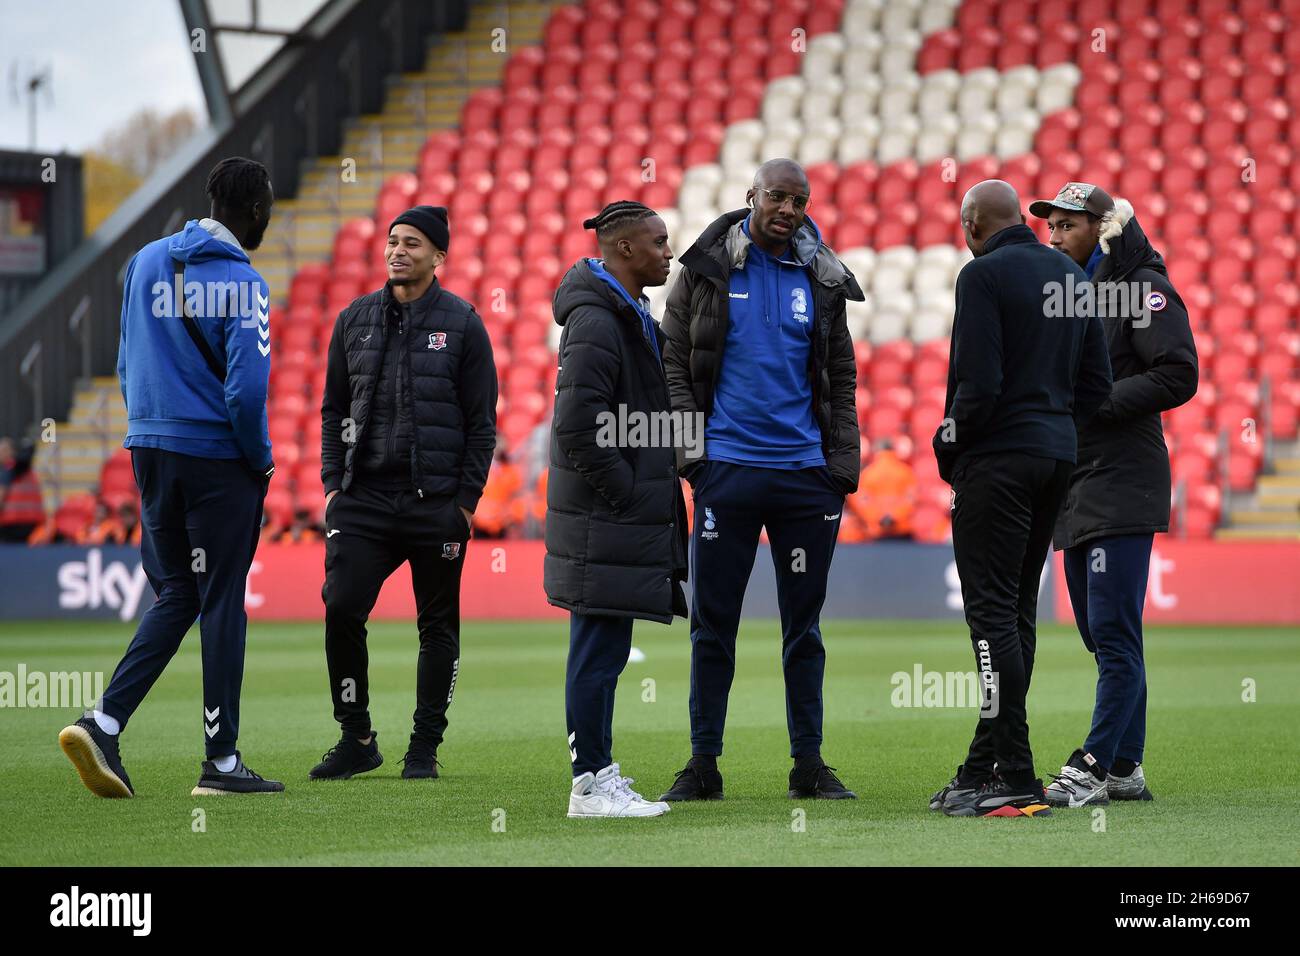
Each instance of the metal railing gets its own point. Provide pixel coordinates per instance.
(292, 102)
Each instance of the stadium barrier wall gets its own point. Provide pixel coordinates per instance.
(1191, 582)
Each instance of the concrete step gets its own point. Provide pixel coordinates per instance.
(1277, 485)
(78, 441)
(1256, 534)
(1275, 500)
(1239, 518)
(1287, 466)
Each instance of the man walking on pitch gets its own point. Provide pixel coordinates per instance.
(193, 366)
(1119, 493)
(408, 426)
(616, 519)
(1020, 375)
(759, 348)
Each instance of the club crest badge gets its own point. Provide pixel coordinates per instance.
(451, 550)
(1156, 301)
(710, 531)
(799, 305)
(437, 340)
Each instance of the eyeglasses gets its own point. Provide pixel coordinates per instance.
(778, 197)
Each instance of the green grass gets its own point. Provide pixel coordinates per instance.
(1223, 771)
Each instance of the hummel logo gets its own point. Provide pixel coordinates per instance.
(738, 295)
(332, 532)
(211, 715)
(834, 517)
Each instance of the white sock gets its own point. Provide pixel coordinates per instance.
(107, 724)
(225, 764)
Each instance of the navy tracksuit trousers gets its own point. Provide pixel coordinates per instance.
(598, 650)
(1107, 578)
(200, 520)
(801, 511)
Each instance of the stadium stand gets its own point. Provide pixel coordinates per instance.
(895, 107)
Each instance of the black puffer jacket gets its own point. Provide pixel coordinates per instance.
(696, 320)
(1121, 484)
(384, 457)
(450, 394)
(615, 518)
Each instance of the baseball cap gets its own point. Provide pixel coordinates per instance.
(1075, 197)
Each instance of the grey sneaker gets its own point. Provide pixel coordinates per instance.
(1132, 787)
(956, 788)
(1076, 785)
(240, 779)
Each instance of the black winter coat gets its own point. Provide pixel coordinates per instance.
(1021, 372)
(615, 518)
(450, 395)
(696, 320)
(1121, 484)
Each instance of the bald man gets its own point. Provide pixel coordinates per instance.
(1027, 362)
(759, 349)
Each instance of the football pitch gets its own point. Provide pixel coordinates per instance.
(1223, 768)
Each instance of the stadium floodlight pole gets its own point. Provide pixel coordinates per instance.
(211, 75)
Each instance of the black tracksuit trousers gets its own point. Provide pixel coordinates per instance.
(1004, 509)
(369, 533)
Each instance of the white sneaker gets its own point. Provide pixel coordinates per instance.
(1077, 786)
(1132, 787)
(612, 777)
(607, 794)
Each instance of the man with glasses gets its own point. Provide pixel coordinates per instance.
(758, 349)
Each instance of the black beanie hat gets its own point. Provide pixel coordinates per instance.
(430, 220)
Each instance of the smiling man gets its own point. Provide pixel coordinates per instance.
(758, 345)
(408, 430)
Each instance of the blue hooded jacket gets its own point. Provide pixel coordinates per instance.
(173, 401)
(762, 407)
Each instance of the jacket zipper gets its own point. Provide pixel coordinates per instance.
(410, 403)
(397, 377)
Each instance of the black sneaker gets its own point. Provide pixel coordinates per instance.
(695, 781)
(94, 754)
(998, 798)
(347, 758)
(959, 786)
(214, 782)
(420, 762)
(812, 779)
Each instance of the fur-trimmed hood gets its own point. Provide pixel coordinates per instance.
(1126, 246)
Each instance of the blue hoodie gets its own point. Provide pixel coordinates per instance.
(173, 401)
(1094, 260)
(762, 406)
(642, 308)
